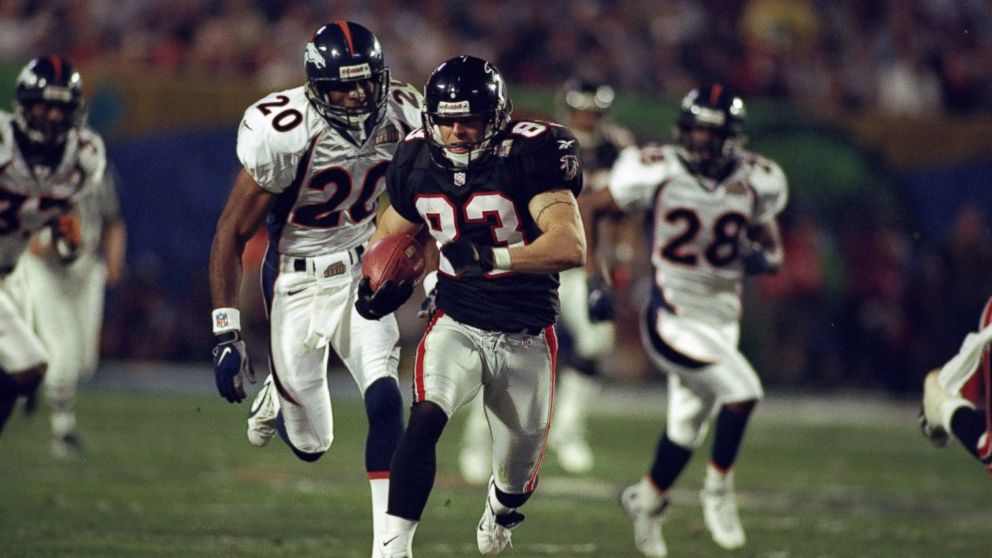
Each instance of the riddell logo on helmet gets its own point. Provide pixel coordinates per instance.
(352, 72)
(450, 107)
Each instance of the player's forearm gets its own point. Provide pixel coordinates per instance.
(225, 270)
(114, 248)
(559, 248)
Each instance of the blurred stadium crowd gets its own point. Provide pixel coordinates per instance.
(871, 294)
(902, 57)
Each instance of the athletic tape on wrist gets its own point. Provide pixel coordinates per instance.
(226, 319)
(501, 259)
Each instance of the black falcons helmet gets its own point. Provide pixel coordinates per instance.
(53, 81)
(337, 58)
(465, 86)
(580, 94)
(717, 108)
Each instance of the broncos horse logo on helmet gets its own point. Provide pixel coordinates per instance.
(715, 108)
(465, 87)
(346, 57)
(48, 100)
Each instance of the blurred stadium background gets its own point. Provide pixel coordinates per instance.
(880, 113)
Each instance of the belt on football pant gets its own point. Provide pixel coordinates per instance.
(325, 264)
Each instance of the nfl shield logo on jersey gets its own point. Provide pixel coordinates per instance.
(459, 179)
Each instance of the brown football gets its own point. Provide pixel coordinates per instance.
(397, 257)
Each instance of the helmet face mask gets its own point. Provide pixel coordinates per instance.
(710, 130)
(471, 91)
(347, 78)
(48, 101)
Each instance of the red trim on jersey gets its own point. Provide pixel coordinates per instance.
(551, 338)
(57, 66)
(419, 392)
(378, 475)
(715, 93)
(347, 35)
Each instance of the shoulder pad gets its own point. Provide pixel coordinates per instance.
(405, 103)
(281, 122)
(92, 153)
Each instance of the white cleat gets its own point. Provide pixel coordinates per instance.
(720, 510)
(262, 415)
(647, 520)
(493, 534)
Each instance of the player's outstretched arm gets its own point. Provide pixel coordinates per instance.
(246, 206)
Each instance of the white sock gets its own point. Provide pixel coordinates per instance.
(717, 478)
(380, 500)
(649, 493)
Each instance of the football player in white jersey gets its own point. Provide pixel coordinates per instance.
(48, 160)
(314, 161)
(584, 108)
(957, 398)
(67, 300)
(714, 210)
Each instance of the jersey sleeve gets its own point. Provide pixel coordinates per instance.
(268, 155)
(397, 177)
(771, 189)
(551, 160)
(636, 175)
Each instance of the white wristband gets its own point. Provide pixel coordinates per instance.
(501, 259)
(226, 319)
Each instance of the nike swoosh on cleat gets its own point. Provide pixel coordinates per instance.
(390, 540)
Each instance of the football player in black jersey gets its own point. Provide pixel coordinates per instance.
(499, 198)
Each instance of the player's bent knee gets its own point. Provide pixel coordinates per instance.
(383, 400)
(427, 421)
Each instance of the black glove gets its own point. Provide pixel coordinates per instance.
(428, 306)
(232, 366)
(755, 261)
(468, 258)
(602, 303)
(385, 300)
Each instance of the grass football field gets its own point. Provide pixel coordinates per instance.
(170, 474)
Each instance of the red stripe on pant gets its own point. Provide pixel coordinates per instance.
(419, 392)
(551, 339)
